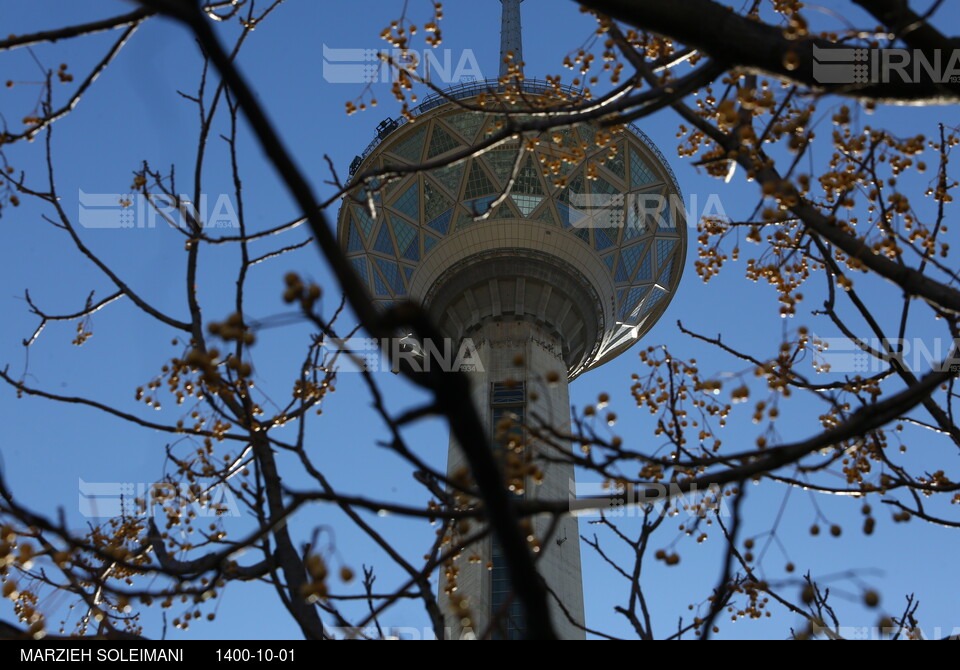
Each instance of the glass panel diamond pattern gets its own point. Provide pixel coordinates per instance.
(360, 267)
(501, 161)
(645, 271)
(379, 288)
(413, 251)
(354, 243)
(654, 298)
(665, 219)
(617, 164)
(635, 226)
(411, 148)
(409, 202)
(441, 142)
(449, 177)
(631, 301)
(546, 215)
(621, 275)
(363, 218)
(639, 172)
(630, 256)
(664, 248)
(466, 124)
(601, 240)
(441, 224)
(526, 203)
(478, 184)
(403, 233)
(435, 202)
(391, 274)
(528, 183)
(383, 243)
(665, 273)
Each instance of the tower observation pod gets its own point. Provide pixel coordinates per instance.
(549, 255)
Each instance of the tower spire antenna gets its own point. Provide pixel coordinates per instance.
(511, 37)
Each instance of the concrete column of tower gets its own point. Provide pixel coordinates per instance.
(516, 359)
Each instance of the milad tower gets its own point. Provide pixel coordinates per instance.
(570, 270)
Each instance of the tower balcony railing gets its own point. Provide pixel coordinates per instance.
(470, 89)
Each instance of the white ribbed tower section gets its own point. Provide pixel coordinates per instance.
(526, 314)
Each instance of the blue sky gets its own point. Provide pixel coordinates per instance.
(133, 113)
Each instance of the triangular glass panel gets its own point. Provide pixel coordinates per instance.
(434, 201)
(449, 177)
(478, 184)
(411, 148)
(569, 216)
(429, 242)
(504, 211)
(362, 216)
(360, 267)
(526, 203)
(413, 250)
(635, 224)
(467, 124)
(603, 187)
(639, 172)
(441, 224)
(391, 274)
(653, 299)
(383, 243)
(665, 219)
(501, 161)
(664, 248)
(354, 242)
(403, 233)
(617, 164)
(630, 256)
(528, 183)
(665, 273)
(441, 142)
(409, 202)
(479, 206)
(379, 288)
(621, 275)
(546, 215)
(601, 240)
(645, 271)
(631, 301)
